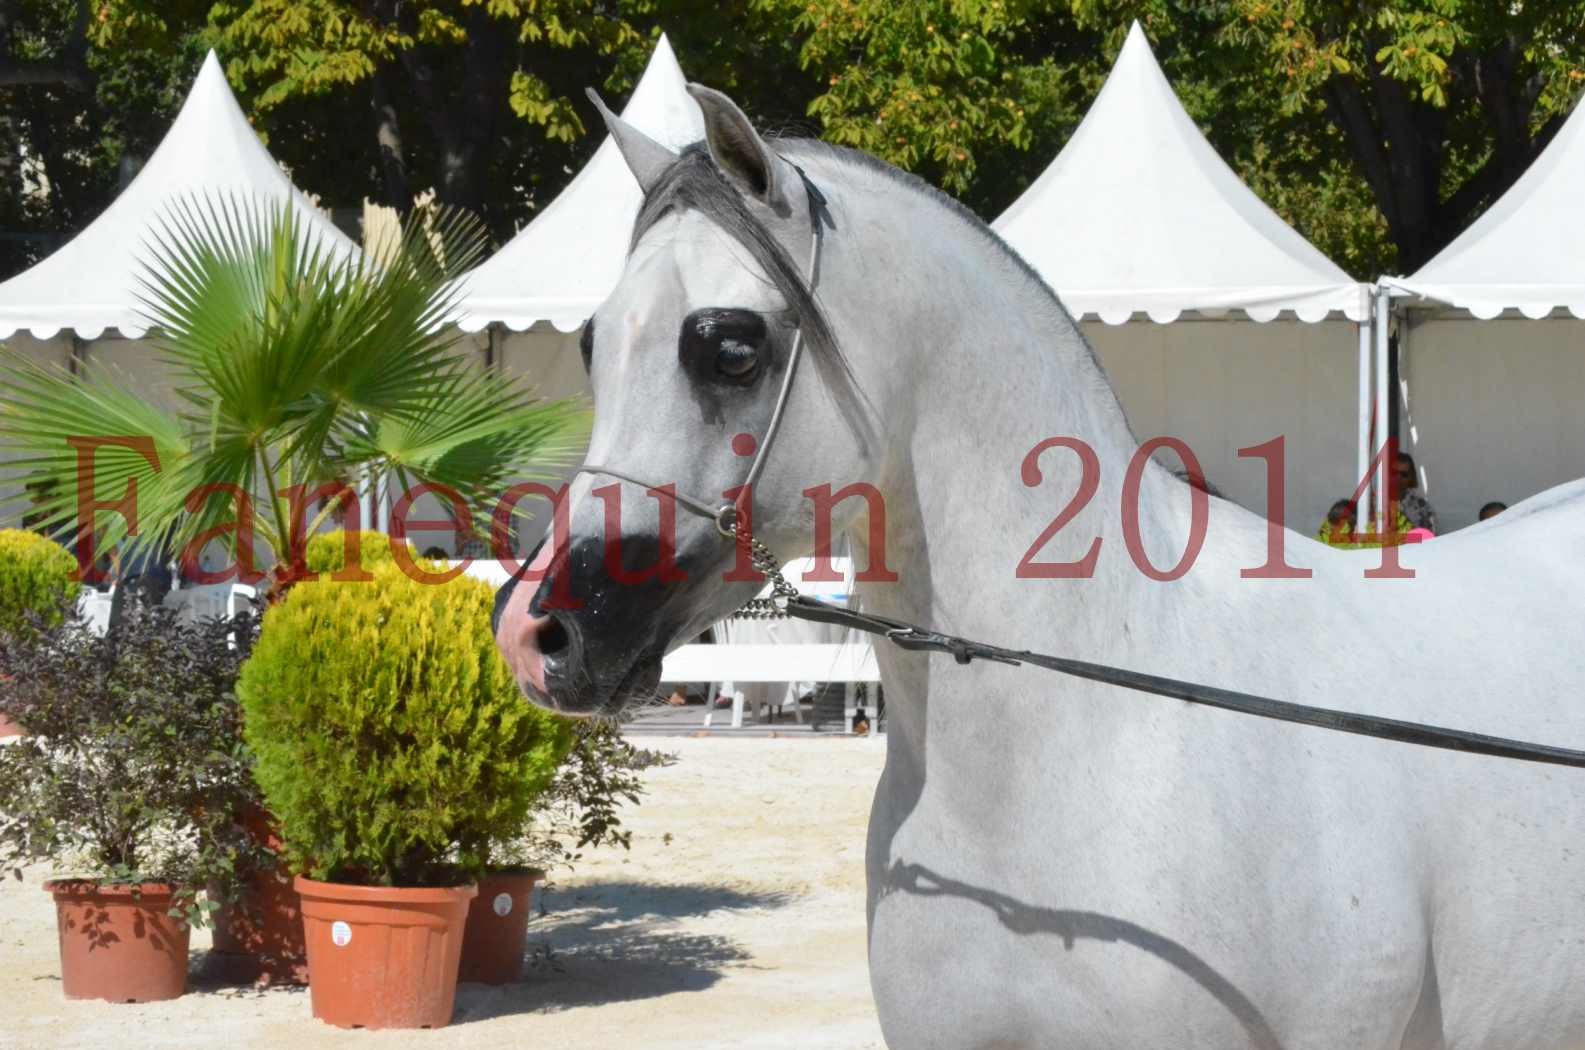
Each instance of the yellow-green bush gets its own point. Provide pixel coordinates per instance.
(326, 552)
(391, 740)
(37, 575)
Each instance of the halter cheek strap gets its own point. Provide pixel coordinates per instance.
(726, 515)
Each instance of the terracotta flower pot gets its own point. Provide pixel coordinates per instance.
(259, 938)
(383, 957)
(8, 728)
(118, 943)
(492, 943)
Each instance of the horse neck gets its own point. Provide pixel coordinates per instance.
(971, 363)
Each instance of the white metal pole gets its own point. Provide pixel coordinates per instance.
(1383, 324)
(1362, 507)
(383, 504)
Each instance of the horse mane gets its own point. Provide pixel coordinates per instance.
(907, 180)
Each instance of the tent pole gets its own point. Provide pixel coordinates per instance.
(1362, 507)
(79, 355)
(382, 503)
(1383, 322)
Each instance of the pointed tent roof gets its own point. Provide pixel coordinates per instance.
(563, 264)
(1525, 252)
(91, 283)
(1139, 213)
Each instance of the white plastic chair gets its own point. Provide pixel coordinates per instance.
(794, 652)
(95, 608)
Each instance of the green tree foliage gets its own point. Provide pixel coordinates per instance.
(392, 742)
(470, 98)
(958, 91)
(86, 92)
(37, 578)
(1441, 104)
(1379, 129)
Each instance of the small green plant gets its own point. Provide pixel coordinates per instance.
(326, 552)
(134, 766)
(37, 579)
(582, 807)
(391, 741)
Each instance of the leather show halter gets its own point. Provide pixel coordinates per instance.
(731, 521)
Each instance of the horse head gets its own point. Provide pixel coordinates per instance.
(688, 361)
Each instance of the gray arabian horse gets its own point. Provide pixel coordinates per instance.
(1054, 863)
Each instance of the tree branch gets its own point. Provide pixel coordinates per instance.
(1345, 104)
(69, 70)
(388, 139)
(47, 74)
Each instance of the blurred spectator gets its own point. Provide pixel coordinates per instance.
(142, 578)
(1492, 509)
(436, 554)
(1405, 491)
(1338, 528)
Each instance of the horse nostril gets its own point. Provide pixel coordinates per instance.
(553, 638)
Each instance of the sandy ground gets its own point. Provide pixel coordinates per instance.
(736, 921)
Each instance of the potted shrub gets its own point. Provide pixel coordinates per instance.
(38, 584)
(125, 783)
(393, 746)
(578, 810)
(258, 935)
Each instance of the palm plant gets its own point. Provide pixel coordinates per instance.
(297, 368)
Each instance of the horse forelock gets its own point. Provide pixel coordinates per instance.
(694, 183)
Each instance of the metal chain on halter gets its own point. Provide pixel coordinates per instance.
(772, 606)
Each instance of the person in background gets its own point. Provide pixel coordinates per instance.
(1338, 528)
(436, 554)
(1492, 509)
(1406, 494)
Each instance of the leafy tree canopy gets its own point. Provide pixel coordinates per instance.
(1380, 128)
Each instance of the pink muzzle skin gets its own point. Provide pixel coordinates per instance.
(519, 631)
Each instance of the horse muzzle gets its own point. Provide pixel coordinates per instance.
(577, 640)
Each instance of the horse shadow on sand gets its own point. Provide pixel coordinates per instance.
(616, 942)
(1070, 925)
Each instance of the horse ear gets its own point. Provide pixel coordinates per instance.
(736, 147)
(646, 158)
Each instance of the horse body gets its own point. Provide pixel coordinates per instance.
(1050, 858)
(1057, 863)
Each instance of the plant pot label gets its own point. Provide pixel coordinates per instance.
(502, 904)
(340, 934)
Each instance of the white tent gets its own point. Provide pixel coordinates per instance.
(564, 263)
(1138, 215)
(544, 283)
(91, 284)
(1491, 357)
(84, 298)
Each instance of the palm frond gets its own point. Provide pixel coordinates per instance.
(91, 438)
(484, 433)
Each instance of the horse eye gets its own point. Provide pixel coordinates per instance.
(736, 361)
(586, 343)
(722, 344)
